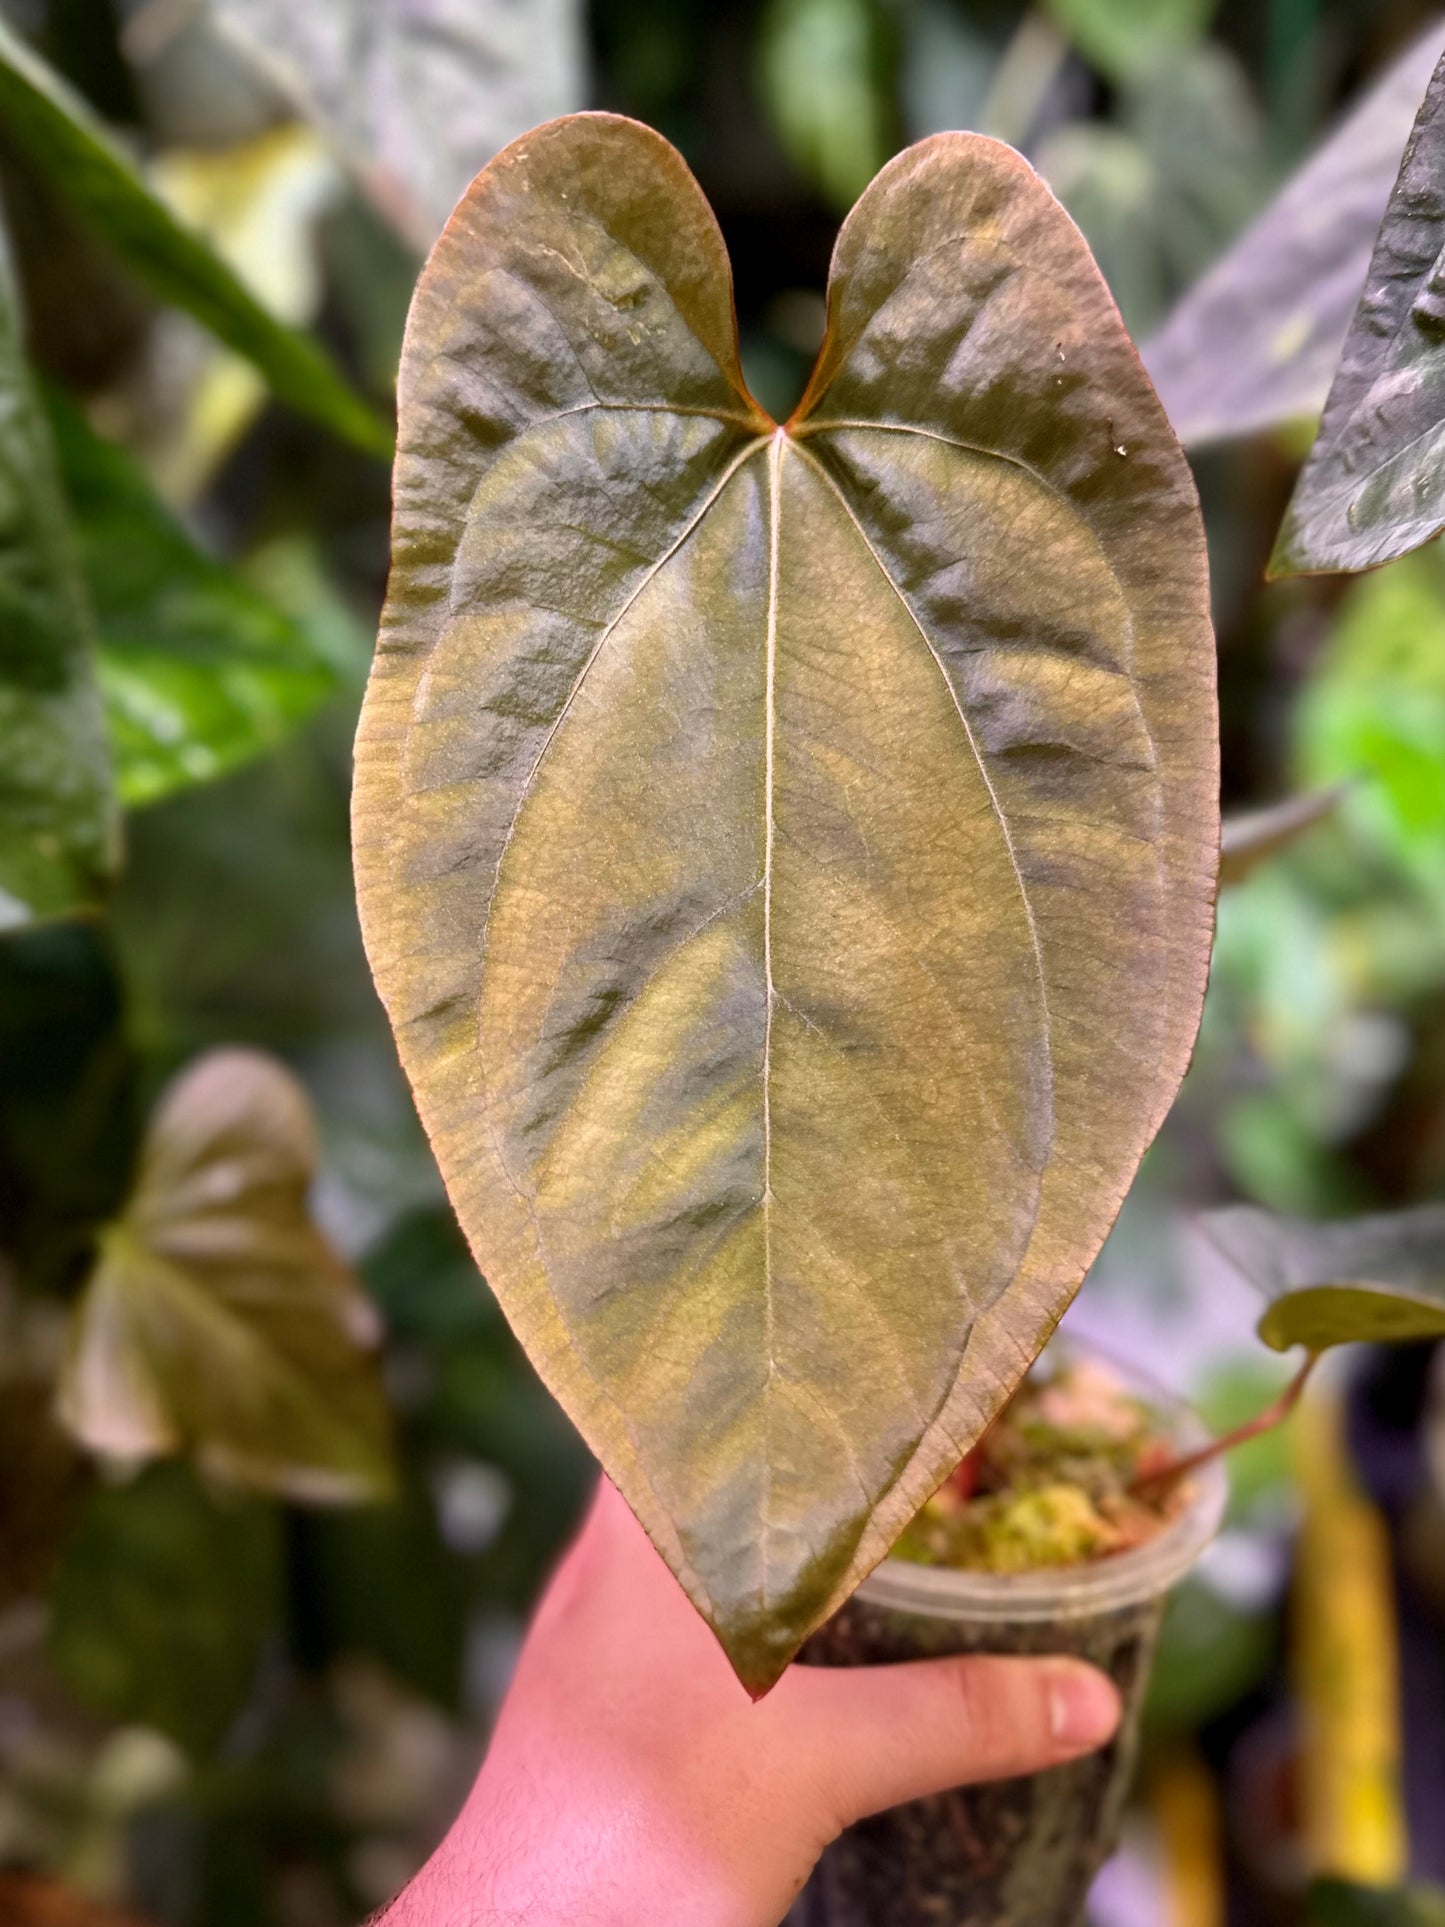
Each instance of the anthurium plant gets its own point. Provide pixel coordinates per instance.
(786, 851)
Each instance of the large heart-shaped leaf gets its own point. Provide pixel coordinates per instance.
(1380, 1278)
(1373, 487)
(59, 826)
(217, 1320)
(56, 129)
(199, 672)
(1256, 341)
(787, 854)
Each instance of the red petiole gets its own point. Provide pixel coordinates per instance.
(1275, 1414)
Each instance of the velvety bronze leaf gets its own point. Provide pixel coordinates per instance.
(787, 854)
(1379, 1278)
(1371, 489)
(218, 1321)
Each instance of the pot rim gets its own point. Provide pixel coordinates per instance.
(1112, 1584)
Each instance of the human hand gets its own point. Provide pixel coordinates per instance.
(631, 1782)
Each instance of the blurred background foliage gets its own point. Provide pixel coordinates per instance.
(225, 1699)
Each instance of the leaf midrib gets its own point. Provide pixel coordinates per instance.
(775, 442)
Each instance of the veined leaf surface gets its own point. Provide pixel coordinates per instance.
(787, 854)
(1372, 487)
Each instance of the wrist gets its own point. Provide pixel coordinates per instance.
(617, 1865)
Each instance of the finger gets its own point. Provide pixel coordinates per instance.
(877, 1735)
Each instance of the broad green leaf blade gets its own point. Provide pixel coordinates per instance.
(1379, 1278)
(59, 827)
(56, 129)
(1373, 486)
(754, 828)
(417, 94)
(199, 672)
(1255, 343)
(1254, 836)
(163, 1603)
(217, 1320)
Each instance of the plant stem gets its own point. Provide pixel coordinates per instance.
(1266, 1421)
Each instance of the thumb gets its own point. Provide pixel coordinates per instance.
(878, 1735)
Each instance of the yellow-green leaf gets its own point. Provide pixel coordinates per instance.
(217, 1320)
(787, 854)
(44, 116)
(1372, 487)
(1380, 1278)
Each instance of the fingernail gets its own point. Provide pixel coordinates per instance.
(1083, 1707)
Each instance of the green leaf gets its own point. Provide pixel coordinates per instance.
(1127, 38)
(1255, 342)
(1211, 1654)
(1340, 1903)
(59, 827)
(217, 1320)
(753, 827)
(163, 1603)
(55, 128)
(417, 94)
(1372, 715)
(1373, 486)
(1254, 836)
(199, 672)
(1379, 1278)
(822, 74)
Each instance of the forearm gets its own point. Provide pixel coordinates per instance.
(508, 1862)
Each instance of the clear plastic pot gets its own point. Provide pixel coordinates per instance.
(1023, 1852)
